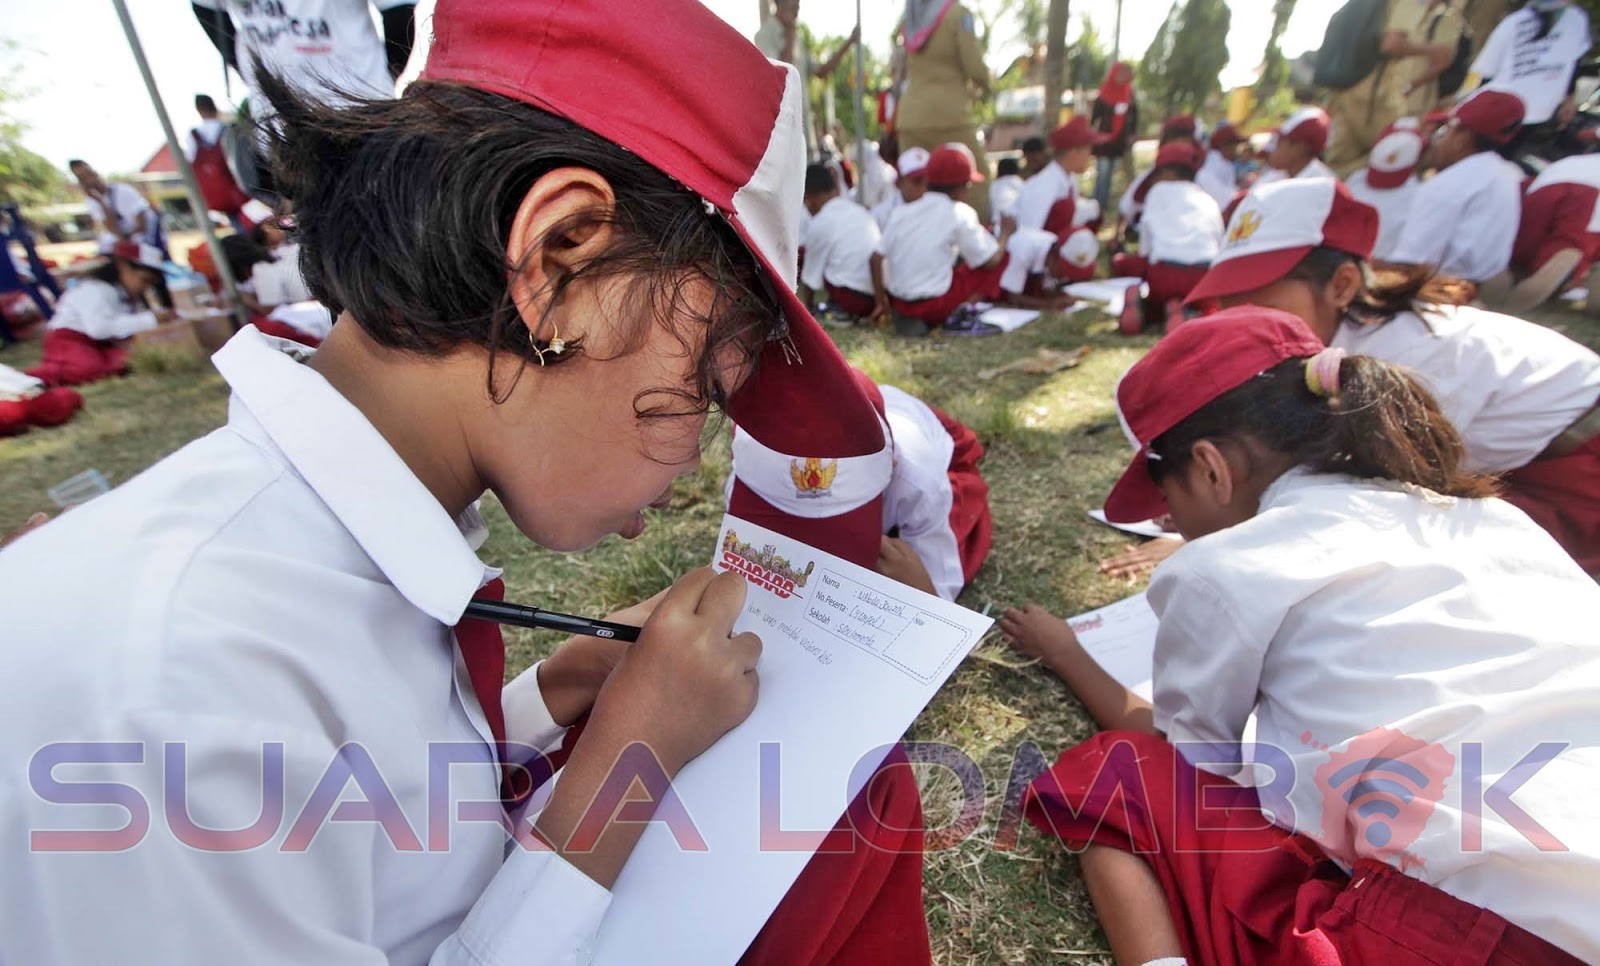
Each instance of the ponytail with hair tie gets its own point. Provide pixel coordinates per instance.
(1322, 372)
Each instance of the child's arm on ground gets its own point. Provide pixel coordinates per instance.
(1037, 633)
(1139, 559)
(880, 293)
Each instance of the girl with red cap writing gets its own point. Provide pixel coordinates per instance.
(1409, 650)
(1523, 397)
(550, 259)
(86, 338)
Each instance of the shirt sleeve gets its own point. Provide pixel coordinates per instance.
(975, 244)
(528, 718)
(1207, 665)
(971, 49)
(818, 245)
(128, 201)
(1491, 60)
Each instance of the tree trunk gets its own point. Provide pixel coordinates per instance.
(1055, 62)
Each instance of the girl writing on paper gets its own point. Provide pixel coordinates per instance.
(1398, 642)
(543, 292)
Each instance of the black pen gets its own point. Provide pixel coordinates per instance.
(518, 615)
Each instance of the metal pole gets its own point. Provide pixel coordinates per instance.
(1116, 39)
(861, 117)
(191, 187)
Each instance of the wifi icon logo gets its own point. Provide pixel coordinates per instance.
(1379, 793)
(1379, 786)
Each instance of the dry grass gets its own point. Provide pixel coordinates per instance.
(1054, 449)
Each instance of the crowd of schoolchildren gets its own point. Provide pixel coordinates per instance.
(1389, 496)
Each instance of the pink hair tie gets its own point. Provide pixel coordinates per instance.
(1322, 372)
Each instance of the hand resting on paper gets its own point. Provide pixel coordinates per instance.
(571, 678)
(1035, 632)
(686, 682)
(1139, 559)
(897, 561)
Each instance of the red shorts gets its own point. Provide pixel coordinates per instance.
(966, 285)
(1554, 219)
(72, 359)
(970, 519)
(1242, 891)
(851, 301)
(1563, 496)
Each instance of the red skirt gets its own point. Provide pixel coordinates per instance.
(970, 519)
(1554, 219)
(1243, 891)
(1167, 280)
(72, 359)
(966, 285)
(1563, 496)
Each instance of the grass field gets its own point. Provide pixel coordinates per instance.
(1054, 449)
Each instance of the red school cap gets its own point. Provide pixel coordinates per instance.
(950, 168)
(674, 84)
(1192, 366)
(1076, 133)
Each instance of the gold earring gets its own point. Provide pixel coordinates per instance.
(555, 347)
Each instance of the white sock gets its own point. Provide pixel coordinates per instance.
(1168, 961)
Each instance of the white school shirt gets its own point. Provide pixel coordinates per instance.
(1041, 192)
(878, 183)
(1003, 196)
(100, 311)
(1508, 386)
(919, 497)
(1218, 177)
(1129, 207)
(284, 580)
(1182, 224)
(1316, 169)
(312, 318)
(839, 246)
(1028, 250)
(126, 203)
(923, 241)
(16, 384)
(279, 281)
(1393, 205)
(1344, 607)
(322, 48)
(881, 213)
(210, 130)
(1464, 219)
(1538, 71)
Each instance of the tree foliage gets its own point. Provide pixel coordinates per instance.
(1180, 69)
(25, 177)
(1274, 66)
(843, 82)
(1090, 56)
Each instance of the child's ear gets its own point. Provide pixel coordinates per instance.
(563, 222)
(1213, 473)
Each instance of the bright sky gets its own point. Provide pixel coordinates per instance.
(88, 100)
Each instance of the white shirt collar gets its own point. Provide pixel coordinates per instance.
(428, 556)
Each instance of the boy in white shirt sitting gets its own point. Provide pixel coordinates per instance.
(1389, 181)
(1052, 199)
(1218, 176)
(936, 256)
(1005, 191)
(1180, 232)
(913, 184)
(1297, 150)
(1464, 219)
(839, 246)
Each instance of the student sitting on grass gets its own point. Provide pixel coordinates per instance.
(1004, 192)
(929, 504)
(84, 340)
(1179, 129)
(1407, 647)
(1297, 147)
(1219, 175)
(1053, 199)
(839, 245)
(936, 257)
(1559, 236)
(1524, 398)
(911, 185)
(1389, 181)
(1180, 231)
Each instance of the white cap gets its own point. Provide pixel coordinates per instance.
(913, 161)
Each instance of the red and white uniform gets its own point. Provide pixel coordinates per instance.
(1457, 626)
(1560, 212)
(921, 248)
(1464, 219)
(1004, 193)
(839, 245)
(1053, 201)
(1027, 258)
(1510, 387)
(931, 494)
(1180, 233)
(1393, 205)
(1316, 169)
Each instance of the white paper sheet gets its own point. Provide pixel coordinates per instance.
(1122, 639)
(1109, 292)
(1147, 528)
(849, 659)
(1009, 320)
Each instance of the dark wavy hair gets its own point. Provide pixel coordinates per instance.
(1384, 293)
(404, 211)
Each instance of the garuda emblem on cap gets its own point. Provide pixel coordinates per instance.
(1247, 224)
(813, 479)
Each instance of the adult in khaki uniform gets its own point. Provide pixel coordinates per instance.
(1419, 44)
(944, 77)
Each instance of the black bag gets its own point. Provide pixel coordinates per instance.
(1350, 47)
